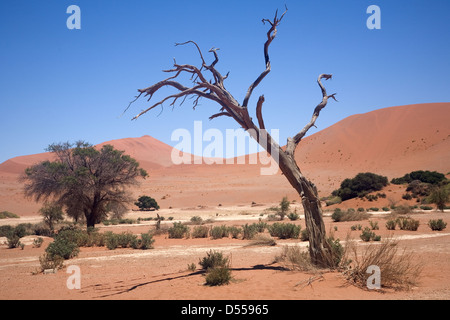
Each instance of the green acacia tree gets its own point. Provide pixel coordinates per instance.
(84, 180)
(146, 203)
(440, 196)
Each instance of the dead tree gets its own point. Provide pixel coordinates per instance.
(215, 90)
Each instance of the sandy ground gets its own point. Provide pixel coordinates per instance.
(161, 273)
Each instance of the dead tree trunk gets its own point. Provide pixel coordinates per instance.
(214, 90)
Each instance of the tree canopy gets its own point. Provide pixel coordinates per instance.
(360, 185)
(147, 203)
(83, 180)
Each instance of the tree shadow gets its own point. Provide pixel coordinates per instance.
(121, 287)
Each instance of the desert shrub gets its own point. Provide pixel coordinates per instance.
(6, 230)
(284, 230)
(356, 227)
(37, 243)
(407, 223)
(360, 185)
(349, 215)
(218, 276)
(260, 226)
(196, 220)
(304, 235)
(402, 209)
(7, 214)
(426, 208)
(218, 232)
(368, 235)
(399, 270)
(440, 196)
(249, 231)
(111, 240)
(295, 258)
(374, 225)
(178, 231)
(293, 216)
(235, 232)
(407, 196)
(373, 209)
(13, 241)
(335, 254)
(437, 225)
(213, 259)
(51, 214)
(126, 239)
(262, 240)
(146, 241)
(48, 261)
(390, 224)
(63, 248)
(332, 200)
(200, 232)
(385, 209)
(360, 209)
(432, 177)
(192, 267)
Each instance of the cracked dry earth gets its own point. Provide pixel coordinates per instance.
(162, 272)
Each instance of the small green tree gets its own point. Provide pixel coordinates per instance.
(440, 196)
(147, 203)
(284, 207)
(52, 213)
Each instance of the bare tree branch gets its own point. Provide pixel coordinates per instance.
(293, 142)
(259, 113)
(270, 36)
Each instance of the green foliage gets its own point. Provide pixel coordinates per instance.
(200, 232)
(432, 177)
(368, 235)
(440, 196)
(437, 225)
(37, 243)
(390, 224)
(219, 232)
(374, 225)
(178, 231)
(146, 203)
(218, 276)
(196, 220)
(48, 261)
(293, 216)
(349, 215)
(284, 230)
(304, 235)
(7, 214)
(63, 248)
(360, 185)
(51, 214)
(407, 223)
(213, 259)
(235, 232)
(249, 231)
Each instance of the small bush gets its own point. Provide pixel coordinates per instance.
(213, 259)
(437, 225)
(293, 216)
(63, 248)
(284, 230)
(390, 224)
(402, 210)
(407, 224)
(111, 240)
(196, 220)
(385, 209)
(368, 235)
(263, 240)
(249, 231)
(178, 231)
(304, 235)
(426, 208)
(235, 232)
(218, 276)
(374, 225)
(48, 261)
(350, 215)
(200, 232)
(37, 243)
(295, 258)
(219, 232)
(7, 214)
(146, 241)
(13, 241)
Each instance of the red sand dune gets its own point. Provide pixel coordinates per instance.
(390, 141)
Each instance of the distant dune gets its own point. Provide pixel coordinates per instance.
(390, 141)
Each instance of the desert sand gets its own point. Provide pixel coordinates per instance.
(391, 141)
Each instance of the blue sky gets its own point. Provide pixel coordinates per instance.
(60, 85)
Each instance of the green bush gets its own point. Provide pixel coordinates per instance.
(218, 276)
(374, 225)
(200, 232)
(126, 239)
(235, 232)
(284, 230)
(407, 224)
(432, 177)
(368, 235)
(349, 215)
(304, 235)
(249, 231)
(196, 220)
(178, 231)
(13, 241)
(390, 224)
(50, 262)
(146, 241)
(7, 214)
(147, 203)
(213, 259)
(111, 240)
(437, 225)
(219, 232)
(426, 208)
(63, 248)
(293, 216)
(360, 185)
